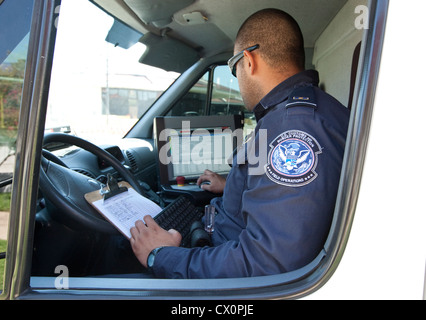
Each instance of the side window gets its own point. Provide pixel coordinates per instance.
(194, 101)
(226, 98)
(15, 20)
(215, 93)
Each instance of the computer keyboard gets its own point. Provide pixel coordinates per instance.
(179, 215)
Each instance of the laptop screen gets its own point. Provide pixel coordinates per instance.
(187, 146)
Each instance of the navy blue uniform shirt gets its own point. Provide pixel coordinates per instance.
(278, 203)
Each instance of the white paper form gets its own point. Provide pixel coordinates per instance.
(124, 209)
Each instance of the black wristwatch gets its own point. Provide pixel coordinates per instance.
(151, 258)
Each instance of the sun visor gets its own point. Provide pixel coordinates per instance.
(123, 36)
(167, 53)
(16, 22)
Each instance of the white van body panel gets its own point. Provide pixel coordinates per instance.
(386, 252)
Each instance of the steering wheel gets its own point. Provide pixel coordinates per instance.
(65, 188)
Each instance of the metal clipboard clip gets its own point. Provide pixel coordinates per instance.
(113, 187)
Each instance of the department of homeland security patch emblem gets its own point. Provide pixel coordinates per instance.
(293, 158)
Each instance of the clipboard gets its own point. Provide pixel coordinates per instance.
(121, 205)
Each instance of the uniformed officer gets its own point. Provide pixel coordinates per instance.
(276, 209)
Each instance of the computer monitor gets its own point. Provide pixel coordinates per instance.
(187, 146)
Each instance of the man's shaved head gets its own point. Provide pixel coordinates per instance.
(279, 36)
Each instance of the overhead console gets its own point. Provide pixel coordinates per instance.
(158, 13)
(187, 146)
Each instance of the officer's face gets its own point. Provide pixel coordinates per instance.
(248, 88)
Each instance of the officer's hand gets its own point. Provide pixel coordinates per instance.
(217, 182)
(148, 236)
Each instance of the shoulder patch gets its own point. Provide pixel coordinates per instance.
(293, 158)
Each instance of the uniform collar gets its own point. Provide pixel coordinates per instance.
(281, 92)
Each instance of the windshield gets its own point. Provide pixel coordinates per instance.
(98, 89)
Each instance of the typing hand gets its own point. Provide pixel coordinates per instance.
(148, 236)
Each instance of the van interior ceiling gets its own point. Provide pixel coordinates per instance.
(330, 39)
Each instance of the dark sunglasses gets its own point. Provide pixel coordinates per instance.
(232, 63)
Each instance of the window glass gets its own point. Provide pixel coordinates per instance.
(225, 98)
(194, 101)
(15, 21)
(98, 89)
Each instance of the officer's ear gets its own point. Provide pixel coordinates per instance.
(250, 61)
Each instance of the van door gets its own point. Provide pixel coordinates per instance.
(25, 58)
